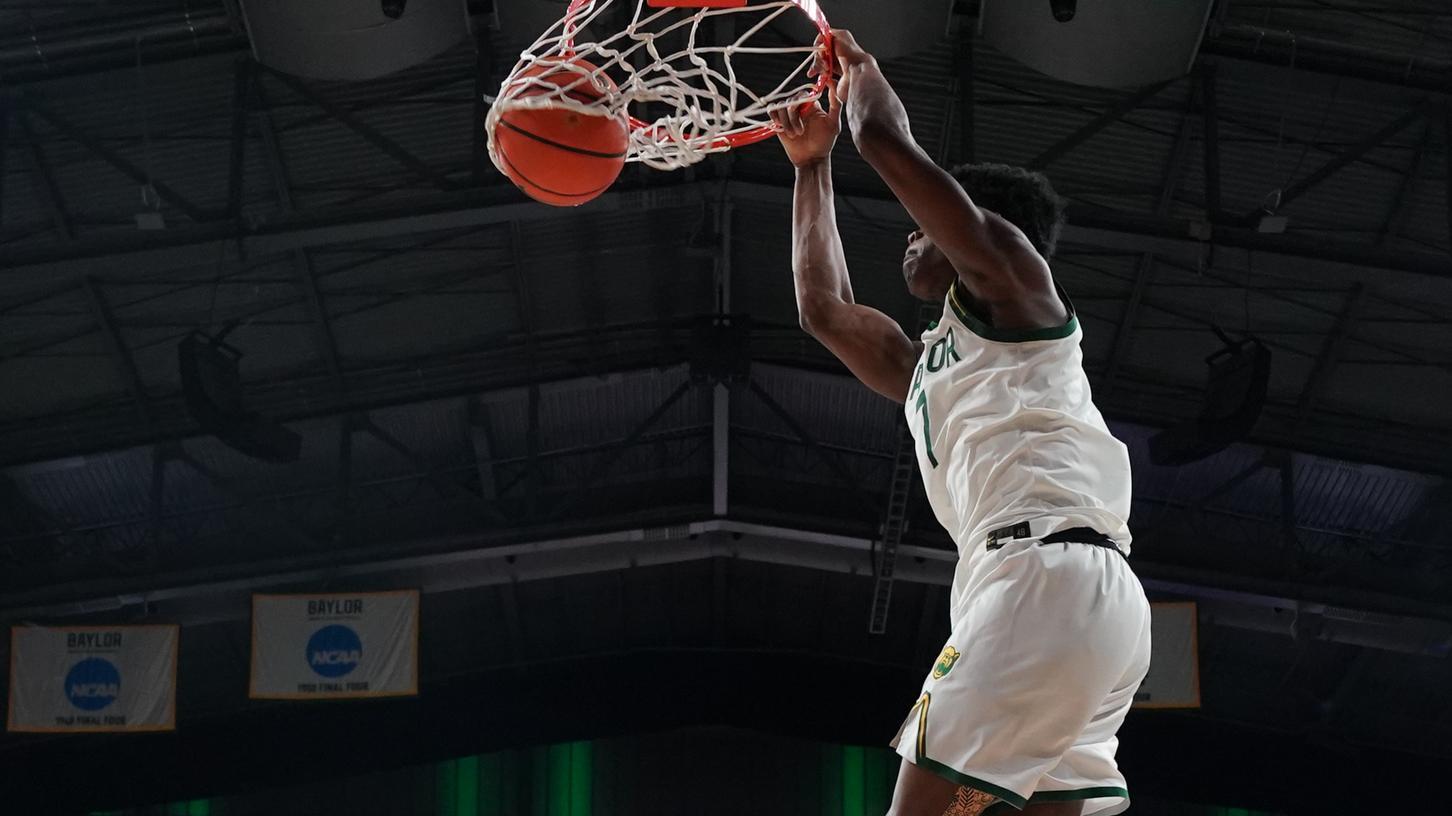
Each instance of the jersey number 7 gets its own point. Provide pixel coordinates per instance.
(927, 427)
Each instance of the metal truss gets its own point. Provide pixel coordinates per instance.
(86, 259)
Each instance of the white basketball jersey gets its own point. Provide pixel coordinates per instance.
(1006, 432)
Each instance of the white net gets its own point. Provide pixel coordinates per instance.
(676, 75)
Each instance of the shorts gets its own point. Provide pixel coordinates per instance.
(1047, 650)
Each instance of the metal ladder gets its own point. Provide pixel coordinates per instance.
(894, 518)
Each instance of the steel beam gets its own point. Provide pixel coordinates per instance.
(344, 527)
(307, 280)
(110, 45)
(1112, 114)
(1340, 160)
(271, 150)
(237, 164)
(447, 487)
(1210, 116)
(827, 456)
(967, 92)
(215, 245)
(120, 354)
(1144, 270)
(1330, 353)
(1447, 164)
(322, 330)
(1124, 332)
(1301, 51)
(5, 107)
(44, 180)
(481, 440)
(1397, 206)
(370, 134)
(1234, 481)
(1289, 539)
(160, 454)
(534, 476)
(640, 346)
(116, 160)
(603, 466)
(524, 308)
(720, 449)
(429, 283)
(469, 562)
(721, 391)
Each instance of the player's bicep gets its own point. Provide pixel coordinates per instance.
(967, 235)
(872, 346)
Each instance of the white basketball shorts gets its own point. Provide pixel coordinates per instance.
(1049, 644)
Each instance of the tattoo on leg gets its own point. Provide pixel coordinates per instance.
(969, 802)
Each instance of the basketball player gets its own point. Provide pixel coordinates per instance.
(1050, 628)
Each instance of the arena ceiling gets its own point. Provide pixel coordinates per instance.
(471, 370)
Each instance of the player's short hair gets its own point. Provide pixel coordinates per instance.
(1021, 197)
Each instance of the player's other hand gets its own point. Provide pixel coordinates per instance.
(848, 52)
(849, 56)
(808, 131)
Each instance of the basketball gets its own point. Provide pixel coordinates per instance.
(559, 156)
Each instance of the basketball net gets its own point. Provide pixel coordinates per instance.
(700, 105)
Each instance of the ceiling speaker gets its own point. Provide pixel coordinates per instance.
(212, 386)
(1234, 396)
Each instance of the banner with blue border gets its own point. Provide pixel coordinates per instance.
(334, 645)
(92, 678)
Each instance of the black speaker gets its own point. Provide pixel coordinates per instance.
(1234, 397)
(212, 386)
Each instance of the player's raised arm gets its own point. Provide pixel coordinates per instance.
(867, 341)
(991, 255)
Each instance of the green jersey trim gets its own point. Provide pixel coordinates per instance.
(1078, 795)
(988, 332)
(952, 775)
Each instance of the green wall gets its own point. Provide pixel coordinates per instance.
(697, 772)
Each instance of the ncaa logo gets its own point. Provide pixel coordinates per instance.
(93, 684)
(334, 650)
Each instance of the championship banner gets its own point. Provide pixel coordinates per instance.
(332, 646)
(1174, 672)
(92, 678)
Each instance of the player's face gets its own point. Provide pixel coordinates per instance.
(925, 269)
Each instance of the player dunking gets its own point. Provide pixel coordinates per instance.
(1051, 629)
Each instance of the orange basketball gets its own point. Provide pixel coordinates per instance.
(556, 156)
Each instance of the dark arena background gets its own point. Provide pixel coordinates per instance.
(272, 324)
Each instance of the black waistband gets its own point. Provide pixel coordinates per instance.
(1073, 535)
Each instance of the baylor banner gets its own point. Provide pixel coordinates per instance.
(1174, 673)
(334, 645)
(92, 678)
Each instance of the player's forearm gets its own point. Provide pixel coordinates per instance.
(819, 267)
(875, 114)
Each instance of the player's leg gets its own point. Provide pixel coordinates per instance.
(1051, 636)
(922, 793)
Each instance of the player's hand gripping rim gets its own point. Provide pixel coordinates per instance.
(808, 131)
